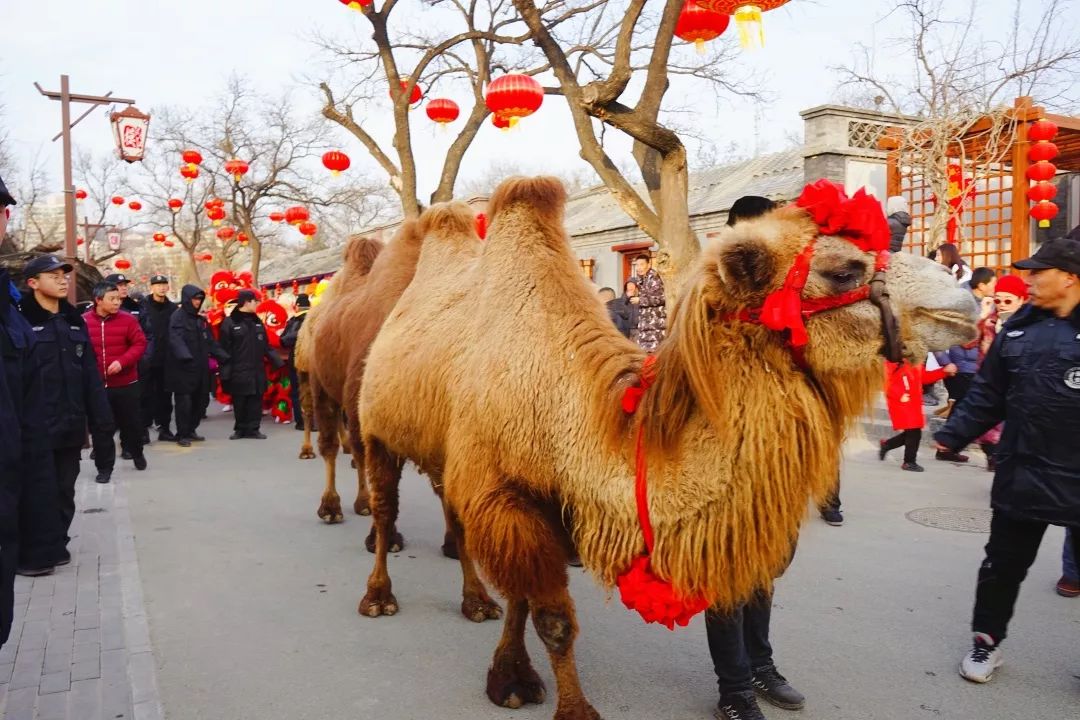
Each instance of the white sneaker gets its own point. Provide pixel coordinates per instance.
(985, 657)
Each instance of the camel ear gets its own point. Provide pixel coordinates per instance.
(746, 266)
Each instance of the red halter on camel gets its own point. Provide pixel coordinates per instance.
(860, 221)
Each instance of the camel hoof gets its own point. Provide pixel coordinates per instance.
(582, 711)
(330, 512)
(510, 691)
(377, 603)
(449, 549)
(361, 507)
(306, 453)
(397, 542)
(479, 609)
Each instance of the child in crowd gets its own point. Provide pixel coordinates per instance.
(903, 394)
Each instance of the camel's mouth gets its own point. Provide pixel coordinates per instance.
(961, 321)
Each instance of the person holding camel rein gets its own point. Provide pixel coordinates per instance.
(903, 394)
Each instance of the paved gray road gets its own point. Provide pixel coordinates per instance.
(252, 606)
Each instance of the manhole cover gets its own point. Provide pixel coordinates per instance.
(973, 520)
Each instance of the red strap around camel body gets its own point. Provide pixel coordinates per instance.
(631, 399)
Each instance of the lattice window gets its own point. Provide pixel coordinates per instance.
(864, 135)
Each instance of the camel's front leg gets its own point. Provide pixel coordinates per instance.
(328, 417)
(307, 411)
(384, 476)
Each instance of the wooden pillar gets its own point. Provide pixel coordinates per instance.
(1020, 223)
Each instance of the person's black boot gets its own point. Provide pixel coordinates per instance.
(126, 454)
(196, 437)
(103, 477)
(738, 706)
(255, 435)
(146, 436)
(140, 462)
(166, 435)
(774, 687)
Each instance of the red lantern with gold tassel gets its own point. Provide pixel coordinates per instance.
(175, 204)
(226, 233)
(1044, 211)
(700, 25)
(308, 229)
(336, 162)
(747, 14)
(296, 215)
(276, 217)
(237, 168)
(358, 5)
(189, 173)
(215, 214)
(414, 97)
(442, 111)
(122, 264)
(1042, 191)
(512, 97)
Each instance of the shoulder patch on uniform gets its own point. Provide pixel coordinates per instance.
(1072, 378)
(39, 328)
(1014, 333)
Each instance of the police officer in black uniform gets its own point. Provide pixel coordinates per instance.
(157, 308)
(74, 392)
(187, 360)
(243, 337)
(1030, 379)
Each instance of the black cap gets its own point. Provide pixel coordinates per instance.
(159, 279)
(5, 196)
(117, 278)
(245, 296)
(303, 300)
(1060, 253)
(44, 264)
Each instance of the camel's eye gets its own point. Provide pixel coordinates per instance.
(848, 276)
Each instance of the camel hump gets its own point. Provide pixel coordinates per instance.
(360, 253)
(448, 219)
(544, 196)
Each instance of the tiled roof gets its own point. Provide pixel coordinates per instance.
(287, 268)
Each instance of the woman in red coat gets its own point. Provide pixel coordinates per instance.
(903, 394)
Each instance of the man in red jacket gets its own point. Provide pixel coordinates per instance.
(119, 344)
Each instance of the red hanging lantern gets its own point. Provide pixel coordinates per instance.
(189, 173)
(359, 5)
(175, 204)
(159, 237)
(1043, 211)
(308, 229)
(237, 168)
(747, 16)
(414, 97)
(699, 25)
(135, 205)
(1041, 171)
(1042, 191)
(215, 214)
(336, 162)
(513, 97)
(242, 238)
(226, 233)
(205, 257)
(296, 215)
(1042, 150)
(117, 200)
(191, 158)
(169, 243)
(80, 241)
(443, 111)
(215, 202)
(122, 264)
(500, 123)
(277, 217)
(80, 194)
(1041, 130)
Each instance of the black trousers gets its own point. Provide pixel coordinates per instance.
(739, 643)
(958, 385)
(247, 413)
(1014, 543)
(66, 461)
(909, 440)
(294, 395)
(127, 412)
(189, 412)
(11, 480)
(156, 400)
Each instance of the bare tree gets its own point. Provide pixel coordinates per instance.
(102, 177)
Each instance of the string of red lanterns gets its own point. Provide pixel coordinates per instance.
(1042, 171)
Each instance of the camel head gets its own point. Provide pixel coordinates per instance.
(750, 267)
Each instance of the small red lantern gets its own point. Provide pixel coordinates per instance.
(80, 194)
(500, 123)
(122, 264)
(513, 97)
(699, 25)
(1043, 211)
(237, 168)
(277, 217)
(242, 238)
(414, 97)
(215, 214)
(191, 158)
(308, 229)
(296, 215)
(215, 202)
(205, 257)
(135, 205)
(336, 162)
(175, 204)
(1042, 191)
(226, 233)
(360, 5)
(1041, 130)
(117, 200)
(1041, 171)
(1042, 150)
(189, 173)
(159, 237)
(443, 111)
(169, 243)
(80, 241)
(747, 17)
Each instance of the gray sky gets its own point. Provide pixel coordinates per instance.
(170, 52)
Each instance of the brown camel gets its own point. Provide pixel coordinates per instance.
(303, 361)
(500, 372)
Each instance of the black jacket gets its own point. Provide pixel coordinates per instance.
(155, 324)
(291, 332)
(1030, 379)
(899, 222)
(74, 394)
(190, 344)
(243, 336)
